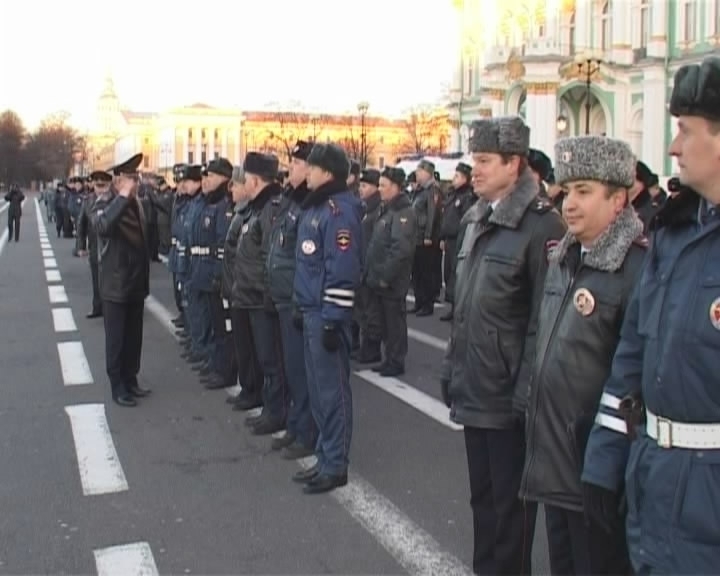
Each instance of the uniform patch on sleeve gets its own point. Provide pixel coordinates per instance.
(342, 239)
(550, 245)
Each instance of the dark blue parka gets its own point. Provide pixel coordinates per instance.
(669, 354)
(177, 249)
(207, 249)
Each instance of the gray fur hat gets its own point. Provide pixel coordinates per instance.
(594, 158)
(502, 135)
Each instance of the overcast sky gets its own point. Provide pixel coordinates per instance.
(326, 54)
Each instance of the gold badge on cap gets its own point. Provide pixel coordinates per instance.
(584, 301)
(715, 313)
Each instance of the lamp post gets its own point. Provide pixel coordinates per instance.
(314, 121)
(588, 67)
(363, 109)
(561, 123)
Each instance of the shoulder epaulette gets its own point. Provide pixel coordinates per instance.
(540, 206)
(642, 241)
(333, 207)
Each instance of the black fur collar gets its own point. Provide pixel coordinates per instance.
(300, 193)
(321, 194)
(271, 190)
(214, 196)
(678, 211)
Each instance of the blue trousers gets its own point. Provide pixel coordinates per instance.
(200, 322)
(328, 375)
(300, 422)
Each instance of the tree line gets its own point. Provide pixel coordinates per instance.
(41, 155)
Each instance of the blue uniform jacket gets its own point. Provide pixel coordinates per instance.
(191, 215)
(329, 252)
(177, 250)
(669, 354)
(281, 260)
(207, 249)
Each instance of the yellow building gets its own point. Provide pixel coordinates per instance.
(198, 133)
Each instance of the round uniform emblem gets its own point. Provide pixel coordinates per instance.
(282, 239)
(715, 313)
(207, 221)
(584, 301)
(457, 203)
(308, 247)
(245, 227)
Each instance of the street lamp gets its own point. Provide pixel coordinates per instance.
(562, 123)
(363, 109)
(588, 67)
(314, 121)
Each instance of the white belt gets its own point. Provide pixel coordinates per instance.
(173, 241)
(669, 434)
(200, 250)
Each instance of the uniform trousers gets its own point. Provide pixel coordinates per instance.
(577, 548)
(221, 357)
(94, 271)
(268, 347)
(13, 227)
(424, 277)
(391, 313)
(503, 525)
(367, 316)
(177, 293)
(249, 370)
(328, 375)
(200, 323)
(300, 422)
(449, 263)
(123, 343)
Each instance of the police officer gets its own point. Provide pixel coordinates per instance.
(424, 274)
(369, 324)
(301, 430)
(389, 263)
(591, 276)
(87, 235)
(502, 260)
(207, 253)
(541, 167)
(75, 204)
(163, 204)
(251, 292)
(457, 202)
(60, 204)
(177, 215)
(353, 177)
(124, 280)
(245, 359)
(329, 265)
(657, 433)
(197, 323)
(646, 203)
(14, 198)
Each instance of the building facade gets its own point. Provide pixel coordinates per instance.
(198, 133)
(572, 67)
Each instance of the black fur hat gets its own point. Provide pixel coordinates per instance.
(696, 91)
(332, 159)
(263, 165)
(370, 176)
(395, 175)
(540, 163)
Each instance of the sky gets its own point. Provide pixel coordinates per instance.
(327, 55)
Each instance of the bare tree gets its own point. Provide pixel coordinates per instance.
(50, 149)
(294, 125)
(12, 135)
(425, 132)
(352, 140)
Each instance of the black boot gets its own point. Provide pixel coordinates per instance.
(448, 316)
(369, 352)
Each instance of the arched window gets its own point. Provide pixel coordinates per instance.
(605, 28)
(645, 21)
(568, 37)
(689, 15)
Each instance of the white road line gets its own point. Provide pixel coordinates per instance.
(161, 313)
(128, 560)
(411, 546)
(74, 364)
(63, 320)
(45, 246)
(48, 254)
(98, 463)
(410, 298)
(57, 294)
(3, 240)
(49, 263)
(425, 403)
(52, 275)
(163, 258)
(428, 339)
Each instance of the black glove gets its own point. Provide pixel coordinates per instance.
(601, 507)
(297, 318)
(445, 390)
(331, 338)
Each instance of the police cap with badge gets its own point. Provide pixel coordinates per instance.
(332, 159)
(189, 172)
(129, 167)
(301, 150)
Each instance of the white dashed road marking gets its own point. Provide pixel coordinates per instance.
(49, 263)
(63, 320)
(98, 463)
(128, 560)
(74, 364)
(57, 294)
(53, 276)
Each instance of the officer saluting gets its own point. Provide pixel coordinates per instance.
(124, 279)
(591, 276)
(667, 359)
(502, 260)
(329, 263)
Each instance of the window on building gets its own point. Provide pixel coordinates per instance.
(469, 77)
(215, 135)
(645, 23)
(202, 133)
(571, 34)
(381, 162)
(189, 133)
(203, 157)
(605, 28)
(191, 157)
(146, 162)
(216, 155)
(147, 141)
(690, 18)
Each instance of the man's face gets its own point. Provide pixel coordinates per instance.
(422, 175)
(191, 187)
(589, 210)
(213, 181)
(298, 171)
(366, 190)
(697, 150)
(317, 177)
(491, 176)
(387, 189)
(459, 180)
(238, 191)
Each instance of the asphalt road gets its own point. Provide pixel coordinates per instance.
(178, 485)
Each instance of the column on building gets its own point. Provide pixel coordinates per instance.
(197, 133)
(224, 143)
(496, 99)
(211, 143)
(185, 145)
(541, 111)
(237, 135)
(622, 21)
(583, 24)
(657, 47)
(654, 146)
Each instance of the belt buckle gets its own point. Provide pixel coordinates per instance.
(663, 429)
